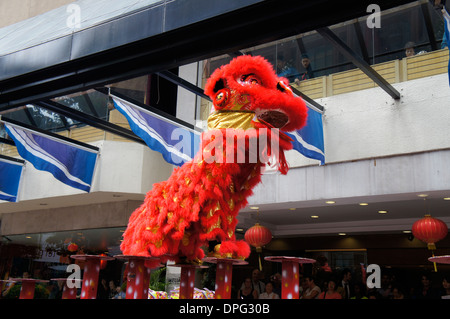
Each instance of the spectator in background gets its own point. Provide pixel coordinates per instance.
(269, 294)
(445, 294)
(276, 282)
(306, 63)
(345, 288)
(256, 282)
(359, 290)
(385, 290)
(397, 293)
(286, 70)
(410, 49)
(425, 289)
(331, 292)
(313, 291)
(247, 292)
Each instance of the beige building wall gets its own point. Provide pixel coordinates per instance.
(13, 11)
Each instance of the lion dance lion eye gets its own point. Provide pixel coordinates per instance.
(249, 79)
(221, 98)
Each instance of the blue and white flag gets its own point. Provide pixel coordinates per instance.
(309, 140)
(69, 163)
(10, 176)
(176, 143)
(447, 35)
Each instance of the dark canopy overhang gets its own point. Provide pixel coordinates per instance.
(158, 37)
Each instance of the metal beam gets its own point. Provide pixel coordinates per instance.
(429, 25)
(183, 83)
(39, 130)
(308, 99)
(361, 42)
(359, 62)
(90, 120)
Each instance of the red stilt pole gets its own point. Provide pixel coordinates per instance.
(187, 279)
(138, 277)
(69, 289)
(187, 282)
(224, 273)
(27, 290)
(28, 285)
(290, 286)
(91, 273)
(69, 293)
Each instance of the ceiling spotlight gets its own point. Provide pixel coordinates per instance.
(382, 212)
(314, 216)
(293, 208)
(342, 234)
(406, 232)
(363, 204)
(239, 229)
(254, 207)
(330, 202)
(446, 198)
(422, 195)
(28, 237)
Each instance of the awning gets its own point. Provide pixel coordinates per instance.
(45, 57)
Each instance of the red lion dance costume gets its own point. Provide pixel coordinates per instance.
(201, 199)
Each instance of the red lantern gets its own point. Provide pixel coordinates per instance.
(258, 236)
(430, 230)
(72, 247)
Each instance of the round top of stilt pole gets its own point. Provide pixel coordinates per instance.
(234, 262)
(65, 279)
(299, 260)
(129, 257)
(183, 265)
(28, 280)
(440, 259)
(86, 257)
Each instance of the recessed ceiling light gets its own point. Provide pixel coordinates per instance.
(422, 195)
(363, 204)
(330, 202)
(446, 198)
(293, 208)
(254, 207)
(342, 234)
(239, 229)
(382, 212)
(314, 216)
(28, 237)
(406, 232)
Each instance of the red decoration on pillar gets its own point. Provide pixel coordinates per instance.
(290, 285)
(258, 236)
(224, 273)
(91, 272)
(138, 275)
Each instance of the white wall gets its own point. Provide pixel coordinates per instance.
(122, 167)
(369, 123)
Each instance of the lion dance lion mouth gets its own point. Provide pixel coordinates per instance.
(201, 199)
